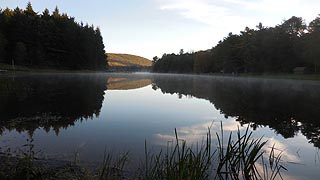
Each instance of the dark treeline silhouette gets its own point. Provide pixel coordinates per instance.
(49, 40)
(286, 106)
(49, 101)
(279, 49)
(182, 63)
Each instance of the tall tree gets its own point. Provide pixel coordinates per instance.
(311, 44)
(314, 25)
(56, 12)
(29, 10)
(294, 26)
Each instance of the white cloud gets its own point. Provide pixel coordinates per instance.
(234, 15)
(215, 14)
(196, 133)
(197, 10)
(280, 147)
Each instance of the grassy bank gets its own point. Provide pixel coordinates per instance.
(6, 68)
(315, 77)
(234, 158)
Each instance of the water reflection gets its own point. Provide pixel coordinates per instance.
(28, 103)
(286, 106)
(87, 113)
(56, 101)
(125, 83)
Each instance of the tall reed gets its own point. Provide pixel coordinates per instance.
(237, 158)
(180, 162)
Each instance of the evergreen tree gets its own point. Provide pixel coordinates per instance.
(29, 10)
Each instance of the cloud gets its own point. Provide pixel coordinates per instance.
(234, 15)
(200, 11)
(192, 134)
(204, 11)
(286, 154)
(196, 133)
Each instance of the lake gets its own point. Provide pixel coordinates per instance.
(69, 115)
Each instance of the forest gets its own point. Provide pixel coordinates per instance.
(49, 40)
(291, 47)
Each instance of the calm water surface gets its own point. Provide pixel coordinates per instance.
(85, 114)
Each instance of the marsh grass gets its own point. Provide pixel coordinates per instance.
(242, 157)
(112, 168)
(239, 157)
(272, 169)
(23, 164)
(179, 162)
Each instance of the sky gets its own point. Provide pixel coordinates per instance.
(153, 27)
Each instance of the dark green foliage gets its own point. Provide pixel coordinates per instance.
(277, 49)
(172, 63)
(49, 40)
(20, 52)
(3, 43)
(311, 44)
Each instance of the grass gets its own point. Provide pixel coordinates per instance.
(315, 77)
(112, 168)
(236, 158)
(25, 165)
(8, 68)
(180, 162)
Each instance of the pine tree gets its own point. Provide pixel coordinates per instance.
(29, 10)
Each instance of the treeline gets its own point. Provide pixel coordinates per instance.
(51, 40)
(279, 49)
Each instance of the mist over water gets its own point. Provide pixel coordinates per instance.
(86, 113)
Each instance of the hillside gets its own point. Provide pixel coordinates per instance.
(127, 60)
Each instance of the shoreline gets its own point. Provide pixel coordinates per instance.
(6, 69)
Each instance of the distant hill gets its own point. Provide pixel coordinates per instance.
(122, 60)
